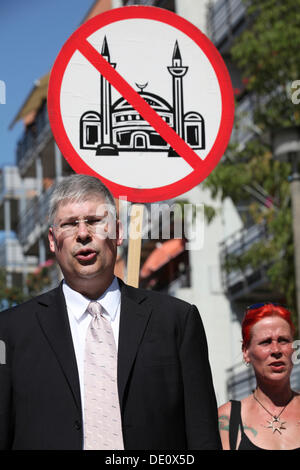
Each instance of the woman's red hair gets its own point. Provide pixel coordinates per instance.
(254, 315)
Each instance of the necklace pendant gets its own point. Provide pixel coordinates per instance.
(276, 424)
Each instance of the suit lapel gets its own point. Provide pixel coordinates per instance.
(135, 314)
(53, 319)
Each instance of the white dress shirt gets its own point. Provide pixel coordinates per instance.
(80, 318)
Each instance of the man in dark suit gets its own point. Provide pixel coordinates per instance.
(165, 393)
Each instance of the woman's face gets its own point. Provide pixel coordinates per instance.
(270, 349)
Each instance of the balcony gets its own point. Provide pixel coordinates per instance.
(244, 130)
(249, 283)
(10, 182)
(34, 141)
(34, 222)
(225, 19)
(44, 207)
(29, 223)
(11, 190)
(11, 256)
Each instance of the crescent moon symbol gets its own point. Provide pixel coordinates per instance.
(141, 87)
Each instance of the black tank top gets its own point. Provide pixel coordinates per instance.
(235, 423)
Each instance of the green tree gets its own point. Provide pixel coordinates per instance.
(268, 55)
(9, 296)
(38, 280)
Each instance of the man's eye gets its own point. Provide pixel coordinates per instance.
(69, 224)
(96, 221)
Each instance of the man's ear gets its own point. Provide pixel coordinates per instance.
(52, 240)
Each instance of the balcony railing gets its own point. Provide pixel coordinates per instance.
(44, 206)
(12, 258)
(224, 17)
(35, 217)
(29, 221)
(244, 128)
(35, 136)
(239, 282)
(10, 182)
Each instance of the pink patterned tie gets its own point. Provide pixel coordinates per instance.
(102, 418)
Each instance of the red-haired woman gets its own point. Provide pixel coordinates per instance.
(269, 418)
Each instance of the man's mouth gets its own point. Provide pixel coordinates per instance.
(86, 255)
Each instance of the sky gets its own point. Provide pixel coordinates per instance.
(32, 32)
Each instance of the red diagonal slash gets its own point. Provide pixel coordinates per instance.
(148, 113)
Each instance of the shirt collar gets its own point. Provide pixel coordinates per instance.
(77, 303)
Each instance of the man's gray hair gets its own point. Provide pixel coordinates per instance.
(78, 188)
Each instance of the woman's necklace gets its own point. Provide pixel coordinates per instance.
(275, 424)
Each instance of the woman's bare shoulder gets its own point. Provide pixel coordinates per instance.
(224, 421)
(224, 409)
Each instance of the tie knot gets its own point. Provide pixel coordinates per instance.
(95, 309)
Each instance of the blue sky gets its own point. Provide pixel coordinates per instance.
(32, 33)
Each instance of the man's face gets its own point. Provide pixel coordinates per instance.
(84, 238)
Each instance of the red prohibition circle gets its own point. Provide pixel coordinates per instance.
(205, 167)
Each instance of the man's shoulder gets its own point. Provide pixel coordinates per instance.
(165, 298)
(156, 298)
(164, 309)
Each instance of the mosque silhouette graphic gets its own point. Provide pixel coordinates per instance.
(119, 127)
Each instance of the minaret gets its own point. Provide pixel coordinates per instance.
(178, 71)
(106, 146)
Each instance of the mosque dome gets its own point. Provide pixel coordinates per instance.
(155, 101)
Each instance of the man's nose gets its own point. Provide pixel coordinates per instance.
(82, 231)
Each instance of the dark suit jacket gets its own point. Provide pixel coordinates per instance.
(165, 387)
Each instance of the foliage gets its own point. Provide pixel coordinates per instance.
(38, 281)
(9, 296)
(268, 55)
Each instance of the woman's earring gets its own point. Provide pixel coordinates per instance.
(247, 364)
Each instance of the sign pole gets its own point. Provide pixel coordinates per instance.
(135, 244)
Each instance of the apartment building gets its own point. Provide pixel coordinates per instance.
(15, 192)
(227, 19)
